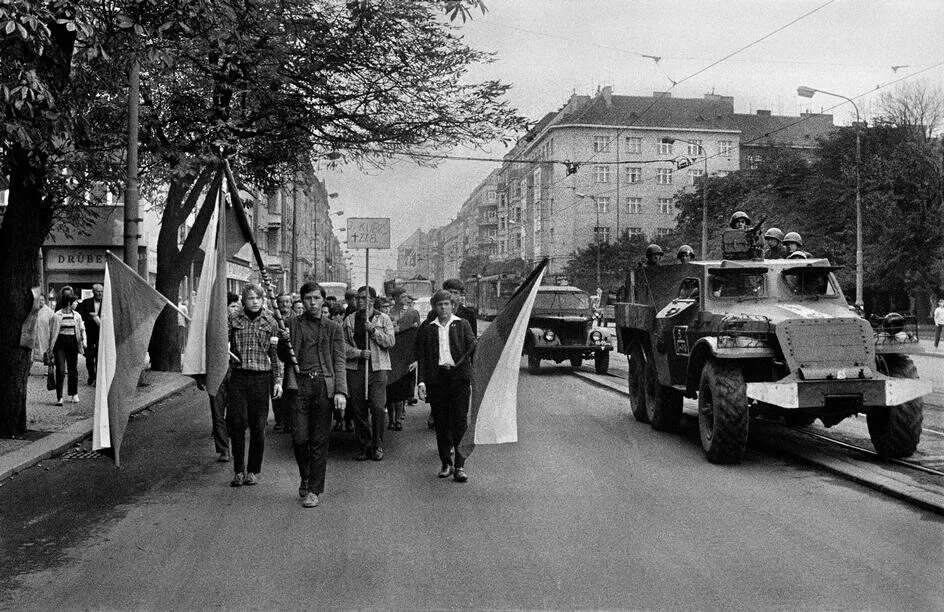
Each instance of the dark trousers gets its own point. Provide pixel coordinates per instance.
(311, 430)
(66, 352)
(282, 409)
(218, 420)
(370, 413)
(247, 398)
(937, 334)
(91, 357)
(449, 400)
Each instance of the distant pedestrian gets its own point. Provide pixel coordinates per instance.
(41, 332)
(350, 302)
(400, 391)
(218, 402)
(67, 339)
(90, 309)
(257, 376)
(182, 322)
(318, 344)
(444, 363)
(938, 322)
(368, 336)
(281, 407)
(298, 307)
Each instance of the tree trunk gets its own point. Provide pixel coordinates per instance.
(26, 222)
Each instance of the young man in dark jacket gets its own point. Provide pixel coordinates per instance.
(444, 363)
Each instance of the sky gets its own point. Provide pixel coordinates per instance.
(549, 49)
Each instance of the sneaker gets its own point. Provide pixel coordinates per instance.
(59, 402)
(446, 471)
(460, 475)
(75, 399)
(310, 501)
(251, 479)
(239, 479)
(378, 454)
(303, 490)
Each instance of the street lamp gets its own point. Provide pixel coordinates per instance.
(807, 92)
(596, 230)
(704, 195)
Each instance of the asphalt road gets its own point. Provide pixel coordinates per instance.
(589, 509)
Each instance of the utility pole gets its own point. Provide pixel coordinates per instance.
(617, 187)
(132, 219)
(294, 270)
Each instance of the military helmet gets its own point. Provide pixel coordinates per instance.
(774, 233)
(793, 237)
(738, 215)
(653, 249)
(798, 255)
(685, 250)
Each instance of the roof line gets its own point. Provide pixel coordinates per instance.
(639, 127)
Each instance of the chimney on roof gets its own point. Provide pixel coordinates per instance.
(662, 94)
(763, 113)
(607, 94)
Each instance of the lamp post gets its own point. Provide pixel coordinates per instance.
(808, 92)
(704, 195)
(596, 229)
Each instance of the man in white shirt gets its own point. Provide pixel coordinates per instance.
(938, 322)
(91, 309)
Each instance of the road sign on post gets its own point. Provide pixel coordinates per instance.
(368, 233)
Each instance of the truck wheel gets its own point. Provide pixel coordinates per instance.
(896, 430)
(601, 362)
(665, 407)
(576, 362)
(637, 382)
(723, 418)
(534, 363)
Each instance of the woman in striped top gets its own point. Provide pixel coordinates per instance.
(67, 339)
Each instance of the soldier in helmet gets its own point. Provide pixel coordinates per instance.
(792, 242)
(774, 239)
(685, 253)
(739, 220)
(798, 255)
(653, 255)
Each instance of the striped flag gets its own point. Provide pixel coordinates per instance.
(493, 412)
(129, 309)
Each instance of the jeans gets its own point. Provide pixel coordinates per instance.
(66, 351)
(370, 413)
(247, 396)
(91, 357)
(449, 399)
(311, 431)
(937, 334)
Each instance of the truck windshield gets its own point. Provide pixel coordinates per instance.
(558, 300)
(811, 282)
(737, 284)
(418, 288)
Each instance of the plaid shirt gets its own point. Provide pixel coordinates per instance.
(255, 342)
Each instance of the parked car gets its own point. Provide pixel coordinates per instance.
(561, 329)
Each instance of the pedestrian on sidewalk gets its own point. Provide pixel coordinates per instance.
(444, 362)
(318, 344)
(67, 339)
(90, 309)
(368, 336)
(253, 340)
(938, 322)
(41, 333)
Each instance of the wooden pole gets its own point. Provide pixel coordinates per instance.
(367, 320)
(131, 188)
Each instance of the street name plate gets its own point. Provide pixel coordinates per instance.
(368, 233)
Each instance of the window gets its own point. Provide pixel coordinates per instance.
(634, 205)
(601, 174)
(633, 144)
(491, 196)
(694, 146)
(634, 231)
(693, 175)
(502, 199)
(725, 147)
(665, 206)
(665, 148)
(603, 204)
(632, 174)
(754, 160)
(537, 184)
(601, 144)
(663, 231)
(664, 176)
(601, 233)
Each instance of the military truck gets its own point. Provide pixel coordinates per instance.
(750, 337)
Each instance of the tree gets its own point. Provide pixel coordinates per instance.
(616, 258)
(914, 104)
(473, 265)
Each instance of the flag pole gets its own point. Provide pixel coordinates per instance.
(367, 320)
(247, 233)
(164, 297)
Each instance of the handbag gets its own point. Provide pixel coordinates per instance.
(50, 378)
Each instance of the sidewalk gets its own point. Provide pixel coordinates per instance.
(52, 429)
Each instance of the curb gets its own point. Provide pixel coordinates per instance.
(57, 442)
(874, 477)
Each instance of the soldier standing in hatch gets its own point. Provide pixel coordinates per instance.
(774, 239)
(653, 255)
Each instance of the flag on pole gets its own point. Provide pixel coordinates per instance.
(129, 309)
(493, 411)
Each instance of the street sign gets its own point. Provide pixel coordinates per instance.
(368, 233)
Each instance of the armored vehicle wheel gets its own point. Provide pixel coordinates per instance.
(576, 362)
(665, 407)
(637, 382)
(601, 362)
(723, 417)
(896, 430)
(534, 363)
